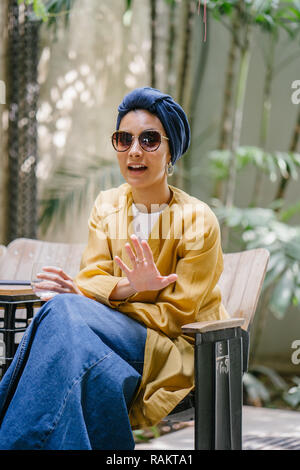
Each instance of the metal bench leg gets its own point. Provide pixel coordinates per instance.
(236, 391)
(222, 397)
(29, 313)
(218, 390)
(204, 395)
(8, 334)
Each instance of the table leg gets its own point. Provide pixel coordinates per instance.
(9, 334)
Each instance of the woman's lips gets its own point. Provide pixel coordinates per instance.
(137, 170)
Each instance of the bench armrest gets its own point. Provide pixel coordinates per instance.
(204, 326)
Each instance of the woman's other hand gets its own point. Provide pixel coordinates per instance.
(56, 280)
(144, 274)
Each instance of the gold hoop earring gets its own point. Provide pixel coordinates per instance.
(169, 169)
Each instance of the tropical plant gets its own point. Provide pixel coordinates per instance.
(70, 190)
(49, 11)
(274, 164)
(292, 396)
(254, 226)
(243, 16)
(263, 386)
(274, 22)
(285, 179)
(262, 227)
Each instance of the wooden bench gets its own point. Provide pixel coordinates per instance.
(221, 347)
(222, 353)
(17, 302)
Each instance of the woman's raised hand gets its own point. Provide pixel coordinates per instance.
(144, 274)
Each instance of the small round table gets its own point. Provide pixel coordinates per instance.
(13, 296)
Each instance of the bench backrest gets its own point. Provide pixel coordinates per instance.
(16, 263)
(240, 282)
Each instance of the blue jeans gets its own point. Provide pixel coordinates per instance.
(72, 379)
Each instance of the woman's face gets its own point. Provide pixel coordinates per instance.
(136, 122)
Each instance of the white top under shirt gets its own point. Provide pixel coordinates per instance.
(143, 222)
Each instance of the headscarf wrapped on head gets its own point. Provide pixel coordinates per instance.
(170, 113)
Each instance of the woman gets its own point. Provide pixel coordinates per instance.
(109, 356)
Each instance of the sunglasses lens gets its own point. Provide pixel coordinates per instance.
(150, 140)
(121, 141)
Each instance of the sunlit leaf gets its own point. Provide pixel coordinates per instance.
(287, 213)
(277, 381)
(296, 380)
(292, 397)
(273, 274)
(255, 388)
(282, 295)
(292, 248)
(296, 296)
(286, 164)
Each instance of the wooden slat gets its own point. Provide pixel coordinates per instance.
(231, 264)
(241, 282)
(20, 255)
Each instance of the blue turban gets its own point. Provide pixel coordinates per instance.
(171, 115)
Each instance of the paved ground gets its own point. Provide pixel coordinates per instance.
(263, 429)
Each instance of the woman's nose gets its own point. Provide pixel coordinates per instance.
(135, 147)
